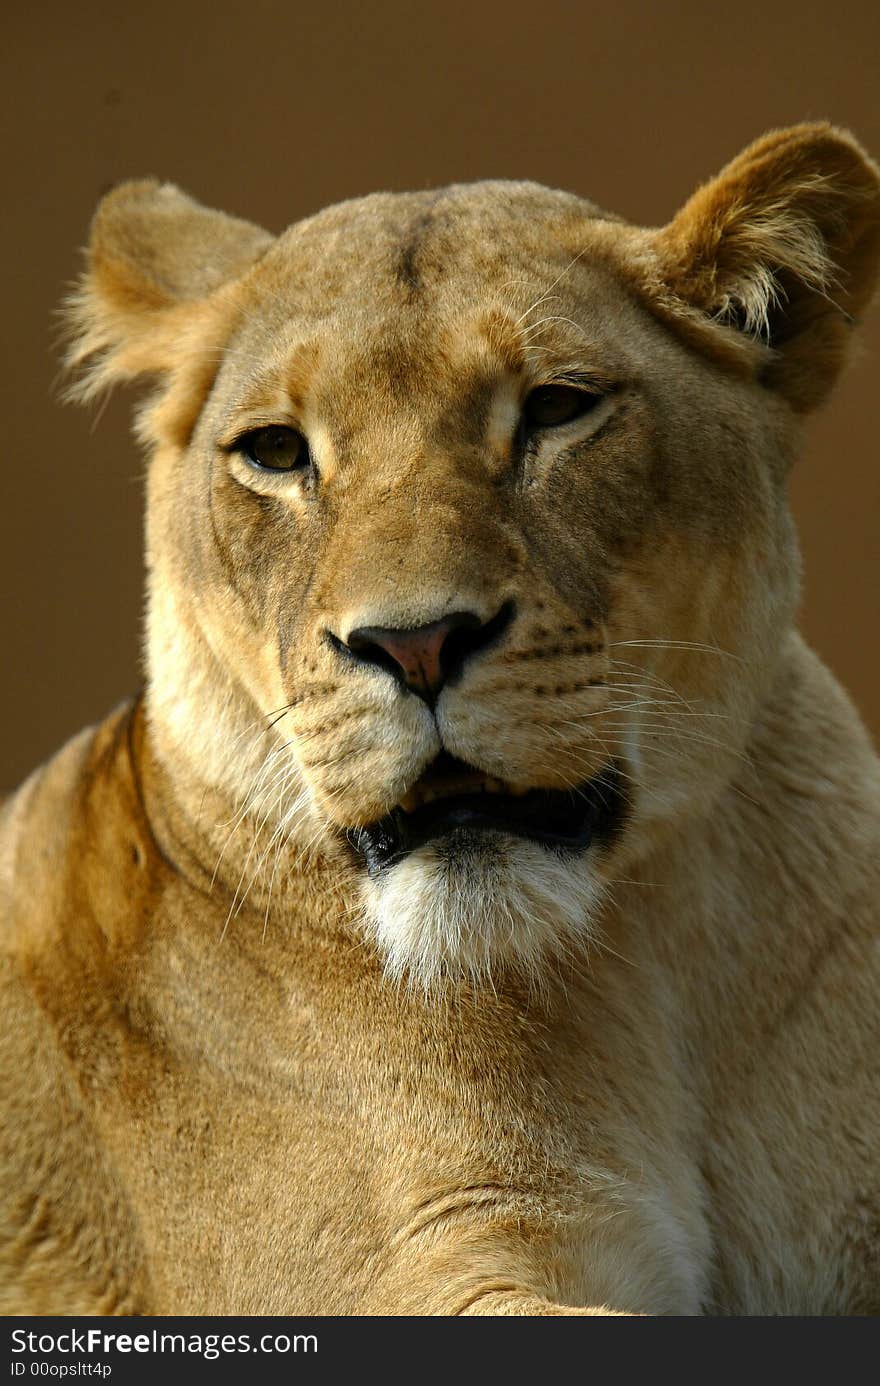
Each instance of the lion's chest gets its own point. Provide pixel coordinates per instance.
(294, 1153)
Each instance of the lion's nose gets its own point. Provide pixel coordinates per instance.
(425, 658)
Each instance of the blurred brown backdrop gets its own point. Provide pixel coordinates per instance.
(273, 110)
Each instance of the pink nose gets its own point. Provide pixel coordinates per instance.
(424, 659)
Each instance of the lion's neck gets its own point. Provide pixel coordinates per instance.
(808, 731)
(745, 909)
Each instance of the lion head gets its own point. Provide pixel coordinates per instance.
(470, 558)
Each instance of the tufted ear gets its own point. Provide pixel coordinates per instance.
(148, 298)
(784, 245)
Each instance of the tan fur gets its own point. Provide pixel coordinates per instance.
(240, 1077)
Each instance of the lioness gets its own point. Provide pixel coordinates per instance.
(477, 912)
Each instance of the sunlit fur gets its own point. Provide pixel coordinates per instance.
(241, 1075)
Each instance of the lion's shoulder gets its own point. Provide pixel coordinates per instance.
(56, 828)
(67, 1238)
(67, 1241)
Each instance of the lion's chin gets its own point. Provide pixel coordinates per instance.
(470, 906)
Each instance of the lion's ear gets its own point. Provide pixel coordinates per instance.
(784, 245)
(155, 261)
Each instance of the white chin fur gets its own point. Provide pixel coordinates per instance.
(498, 903)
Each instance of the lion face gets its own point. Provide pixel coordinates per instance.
(469, 549)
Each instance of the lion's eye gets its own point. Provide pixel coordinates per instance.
(552, 405)
(275, 449)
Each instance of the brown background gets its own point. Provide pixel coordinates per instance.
(271, 111)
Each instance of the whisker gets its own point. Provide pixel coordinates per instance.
(694, 645)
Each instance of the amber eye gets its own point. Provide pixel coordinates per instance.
(552, 405)
(275, 449)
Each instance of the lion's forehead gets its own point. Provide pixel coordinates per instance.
(408, 233)
(437, 254)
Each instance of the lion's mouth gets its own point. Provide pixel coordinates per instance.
(453, 798)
